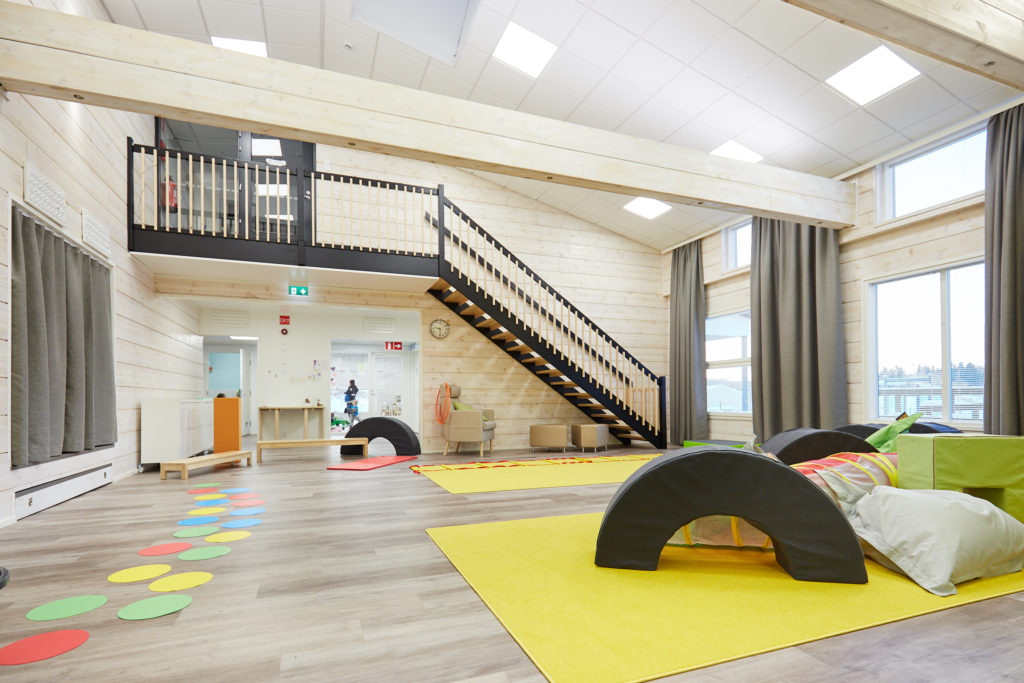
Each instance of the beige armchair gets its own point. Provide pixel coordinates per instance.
(468, 426)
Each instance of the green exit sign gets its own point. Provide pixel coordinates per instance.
(298, 290)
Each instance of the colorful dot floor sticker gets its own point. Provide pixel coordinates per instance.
(212, 502)
(180, 582)
(213, 490)
(241, 523)
(210, 496)
(164, 549)
(228, 536)
(42, 646)
(246, 503)
(208, 485)
(230, 491)
(157, 606)
(193, 532)
(248, 511)
(242, 496)
(140, 573)
(205, 552)
(206, 511)
(196, 521)
(67, 607)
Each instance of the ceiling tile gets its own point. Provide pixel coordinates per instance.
(552, 20)
(588, 116)
(993, 97)
(564, 196)
(299, 54)
(732, 114)
(684, 30)
(805, 154)
(776, 85)
(636, 16)
(853, 132)
(178, 17)
(615, 98)
(938, 121)
(816, 108)
(343, 64)
(398, 64)
(834, 168)
(962, 84)
(732, 59)
(655, 120)
(777, 25)
(543, 100)
(468, 66)
(647, 68)
(294, 28)
(691, 93)
(123, 12)
(599, 41)
(234, 20)
(697, 135)
(502, 80)
(484, 97)
(571, 75)
(922, 63)
(877, 149)
(911, 102)
(770, 135)
(335, 9)
(828, 48)
(438, 81)
(502, 7)
(303, 5)
(485, 29)
(527, 187)
(727, 10)
(363, 41)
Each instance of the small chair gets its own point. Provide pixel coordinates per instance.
(586, 436)
(468, 426)
(548, 436)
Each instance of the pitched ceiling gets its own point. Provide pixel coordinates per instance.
(693, 73)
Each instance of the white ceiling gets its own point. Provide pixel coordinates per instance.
(693, 73)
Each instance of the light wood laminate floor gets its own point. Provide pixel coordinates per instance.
(340, 583)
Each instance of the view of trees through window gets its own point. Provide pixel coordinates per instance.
(727, 350)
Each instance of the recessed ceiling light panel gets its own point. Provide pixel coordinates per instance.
(524, 50)
(249, 47)
(646, 207)
(734, 150)
(875, 74)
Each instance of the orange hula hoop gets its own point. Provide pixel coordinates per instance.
(443, 403)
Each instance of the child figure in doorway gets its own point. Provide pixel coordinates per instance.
(351, 405)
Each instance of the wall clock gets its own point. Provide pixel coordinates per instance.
(440, 328)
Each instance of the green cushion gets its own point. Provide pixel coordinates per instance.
(885, 438)
(459, 405)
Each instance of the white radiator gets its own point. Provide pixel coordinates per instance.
(31, 500)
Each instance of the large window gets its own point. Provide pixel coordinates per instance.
(727, 343)
(736, 246)
(948, 170)
(929, 344)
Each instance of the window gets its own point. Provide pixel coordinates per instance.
(948, 170)
(929, 344)
(727, 348)
(736, 246)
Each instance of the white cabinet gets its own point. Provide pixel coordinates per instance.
(174, 428)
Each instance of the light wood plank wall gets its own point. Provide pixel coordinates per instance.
(869, 251)
(157, 351)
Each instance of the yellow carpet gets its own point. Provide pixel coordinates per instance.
(703, 606)
(510, 475)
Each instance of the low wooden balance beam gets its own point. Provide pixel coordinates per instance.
(184, 465)
(303, 443)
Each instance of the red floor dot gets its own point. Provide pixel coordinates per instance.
(246, 503)
(244, 496)
(213, 490)
(42, 646)
(165, 549)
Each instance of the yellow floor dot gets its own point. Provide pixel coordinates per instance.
(206, 511)
(178, 582)
(210, 496)
(141, 573)
(228, 536)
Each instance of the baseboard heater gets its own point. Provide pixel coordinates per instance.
(33, 499)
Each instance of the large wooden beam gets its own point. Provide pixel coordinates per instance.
(983, 36)
(67, 57)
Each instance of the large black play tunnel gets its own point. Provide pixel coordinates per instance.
(388, 428)
(812, 539)
(800, 445)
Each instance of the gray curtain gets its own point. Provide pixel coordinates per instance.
(688, 401)
(62, 351)
(798, 355)
(1004, 274)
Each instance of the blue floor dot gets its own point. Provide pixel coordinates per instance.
(196, 521)
(248, 511)
(241, 523)
(234, 490)
(212, 503)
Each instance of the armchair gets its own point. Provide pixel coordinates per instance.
(467, 425)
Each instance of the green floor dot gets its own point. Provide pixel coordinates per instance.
(207, 485)
(151, 608)
(204, 552)
(67, 607)
(193, 531)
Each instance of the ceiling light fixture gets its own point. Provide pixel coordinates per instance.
(875, 74)
(272, 190)
(523, 50)
(646, 207)
(249, 47)
(244, 338)
(734, 150)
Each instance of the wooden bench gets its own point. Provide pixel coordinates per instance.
(183, 466)
(303, 443)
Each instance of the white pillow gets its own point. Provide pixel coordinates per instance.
(938, 538)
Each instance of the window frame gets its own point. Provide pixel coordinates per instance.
(871, 341)
(885, 176)
(729, 262)
(727, 363)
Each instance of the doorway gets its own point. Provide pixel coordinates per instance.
(387, 378)
(230, 369)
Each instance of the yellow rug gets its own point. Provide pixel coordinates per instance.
(703, 606)
(509, 475)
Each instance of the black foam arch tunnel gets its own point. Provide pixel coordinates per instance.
(391, 429)
(813, 541)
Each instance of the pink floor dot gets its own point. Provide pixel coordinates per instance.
(246, 503)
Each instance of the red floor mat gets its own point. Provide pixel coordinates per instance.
(372, 463)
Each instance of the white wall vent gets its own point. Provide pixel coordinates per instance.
(95, 234)
(379, 325)
(229, 318)
(44, 195)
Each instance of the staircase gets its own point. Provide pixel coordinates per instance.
(507, 302)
